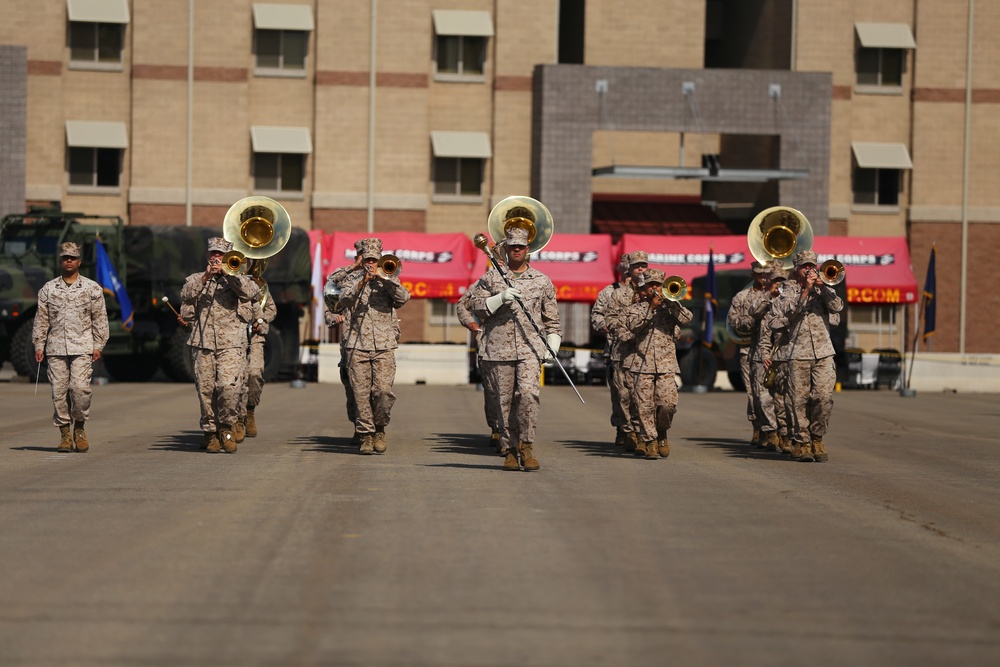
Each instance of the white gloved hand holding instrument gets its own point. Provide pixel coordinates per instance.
(507, 296)
(554, 341)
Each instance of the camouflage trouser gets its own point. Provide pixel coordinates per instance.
(654, 403)
(809, 397)
(778, 400)
(69, 377)
(765, 417)
(747, 375)
(255, 374)
(219, 377)
(372, 375)
(345, 379)
(515, 384)
(621, 381)
(490, 403)
(619, 395)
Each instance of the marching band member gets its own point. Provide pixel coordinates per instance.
(804, 313)
(341, 317)
(607, 308)
(371, 341)
(745, 314)
(470, 322)
(263, 315)
(512, 351)
(652, 363)
(763, 356)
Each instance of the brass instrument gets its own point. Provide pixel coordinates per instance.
(738, 336)
(831, 272)
(776, 234)
(524, 212)
(331, 294)
(674, 288)
(235, 263)
(258, 227)
(388, 266)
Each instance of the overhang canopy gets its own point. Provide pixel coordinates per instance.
(870, 155)
(885, 36)
(462, 22)
(96, 134)
(280, 139)
(268, 16)
(97, 11)
(461, 144)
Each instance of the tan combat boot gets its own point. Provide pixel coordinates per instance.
(239, 434)
(772, 441)
(527, 456)
(495, 440)
(510, 461)
(785, 444)
(80, 437)
(620, 437)
(805, 452)
(650, 450)
(640, 446)
(367, 444)
(663, 447)
(250, 424)
(227, 439)
(379, 442)
(210, 443)
(66, 439)
(819, 450)
(755, 440)
(631, 441)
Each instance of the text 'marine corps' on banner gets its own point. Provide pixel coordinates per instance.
(435, 266)
(579, 265)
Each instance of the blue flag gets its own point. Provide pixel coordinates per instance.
(710, 302)
(930, 302)
(108, 279)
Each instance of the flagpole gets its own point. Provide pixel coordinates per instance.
(913, 349)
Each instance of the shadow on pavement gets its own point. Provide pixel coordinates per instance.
(738, 449)
(27, 448)
(498, 465)
(329, 444)
(185, 441)
(462, 443)
(594, 447)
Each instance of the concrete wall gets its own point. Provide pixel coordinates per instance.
(13, 119)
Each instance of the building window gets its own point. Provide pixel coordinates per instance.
(95, 167)
(461, 56)
(278, 172)
(458, 177)
(876, 187)
(281, 51)
(879, 67)
(96, 45)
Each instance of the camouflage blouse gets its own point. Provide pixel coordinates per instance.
(219, 311)
(653, 334)
(71, 319)
(805, 324)
(508, 334)
(373, 323)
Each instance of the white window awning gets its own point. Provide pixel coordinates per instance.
(97, 11)
(870, 155)
(96, 134)
(462, 22)
(280, 139)
(268, 16)
(461, 144)
(885, 36)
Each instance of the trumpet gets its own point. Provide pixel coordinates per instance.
(832, 272)
(674, 288)
(234, 263)
(388, 266)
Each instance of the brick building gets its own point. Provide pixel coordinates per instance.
(861, 114)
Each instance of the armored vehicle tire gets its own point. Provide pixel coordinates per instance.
(177, 362)
(692, 375)
(22, 353)
(132, 367)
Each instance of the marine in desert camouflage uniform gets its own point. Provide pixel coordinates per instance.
(651, 323)
(218, 308)
(490, 404)
(804, 312)
(263, 315)
(746, 310)
(603, 316)
(71, 329)
(766, 339)
(511, 350)
(340, 316)
(371, 341)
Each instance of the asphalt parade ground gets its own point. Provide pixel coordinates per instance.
(298, 551)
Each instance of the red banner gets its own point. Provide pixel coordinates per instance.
(579, 265)
(434, 266)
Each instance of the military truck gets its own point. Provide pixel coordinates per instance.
(152, 262)
(699, 365)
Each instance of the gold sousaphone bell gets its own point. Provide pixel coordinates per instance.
(258, 227)
(776, 234)
(523, 212)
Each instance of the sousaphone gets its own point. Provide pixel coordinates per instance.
(524, 212)
(258, 227)
(776, 234)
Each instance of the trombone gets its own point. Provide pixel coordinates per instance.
(388, 266)
(832, 272)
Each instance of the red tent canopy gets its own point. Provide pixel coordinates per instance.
(435, 266)
(878, 268)
(580, 265)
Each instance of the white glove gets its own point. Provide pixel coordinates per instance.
(494, 302)
(554, 341)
